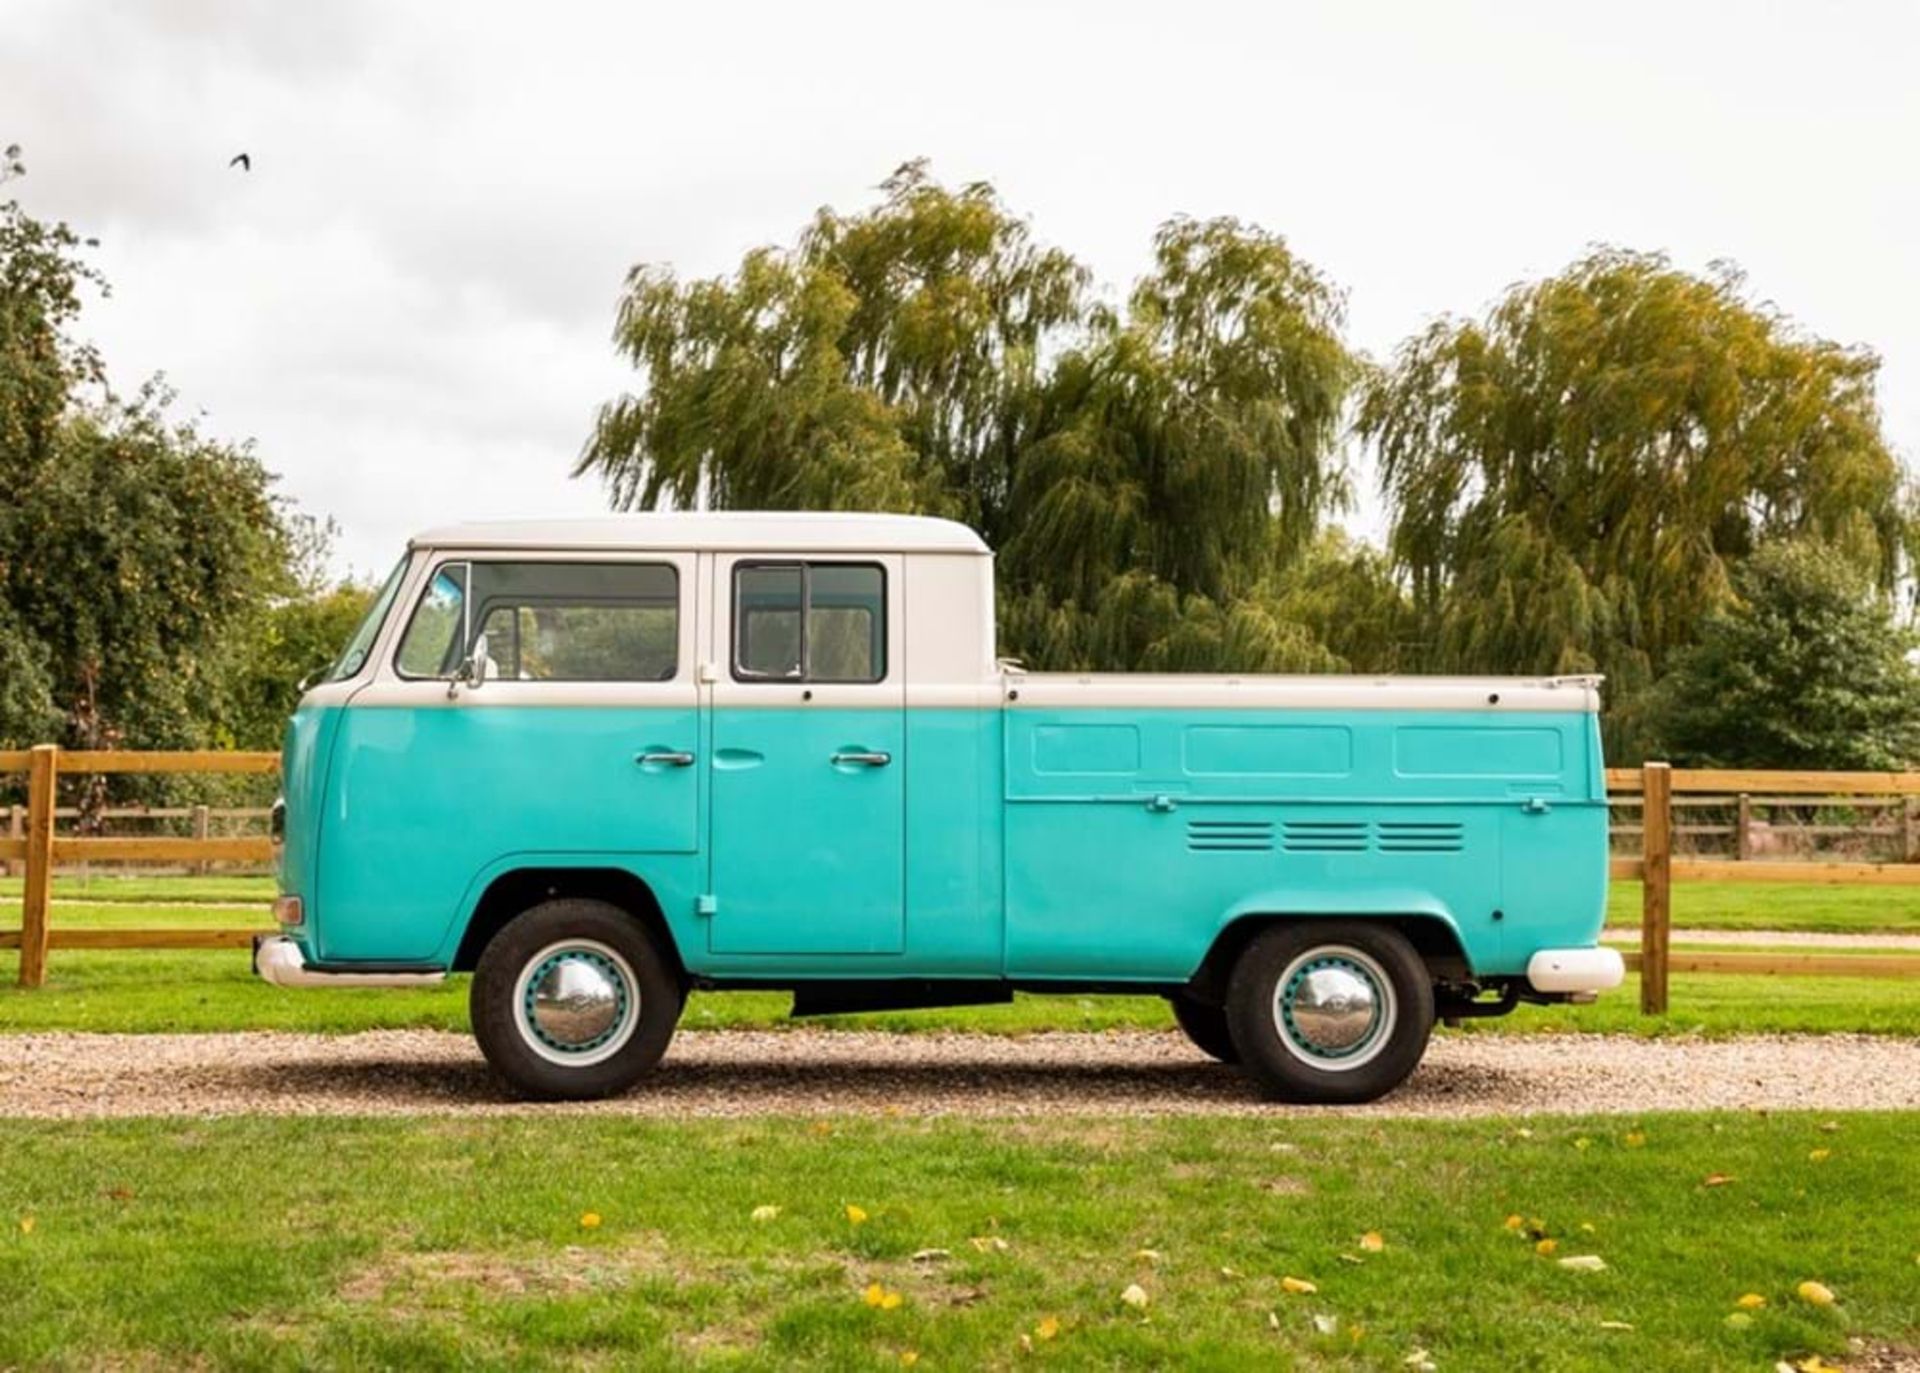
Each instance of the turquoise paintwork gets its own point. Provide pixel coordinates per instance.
(1029, 843)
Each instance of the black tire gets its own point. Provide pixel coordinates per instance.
(1206, 1025)
(575, 939)
(1341, 1056)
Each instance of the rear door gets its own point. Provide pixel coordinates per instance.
(807, 765)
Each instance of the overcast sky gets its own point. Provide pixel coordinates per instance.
(407, 302)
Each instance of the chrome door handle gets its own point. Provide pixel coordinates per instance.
(872, 760)
(672, 758)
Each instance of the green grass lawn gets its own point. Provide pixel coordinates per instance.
(441, 1243)
(145, 992)
(1778, 906)
(171, 991)
(1696, 905)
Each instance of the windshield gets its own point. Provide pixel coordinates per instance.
(361, 644)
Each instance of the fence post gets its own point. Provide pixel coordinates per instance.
(1910, 827)
(1656, 884)
(41, 772)
(200, 832)
(1743, 835)
(16, 829)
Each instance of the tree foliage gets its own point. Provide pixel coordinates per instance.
(1575, 478)
(1145, 472)
(137, 557)
(1806, 668)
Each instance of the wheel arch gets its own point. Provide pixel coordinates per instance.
(509, 893)
(1428, 925)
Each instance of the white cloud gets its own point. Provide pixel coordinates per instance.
(407, 301)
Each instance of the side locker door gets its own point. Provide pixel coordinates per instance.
(807, 762)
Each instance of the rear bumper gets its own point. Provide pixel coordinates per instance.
(1576, 970)
(277, 959)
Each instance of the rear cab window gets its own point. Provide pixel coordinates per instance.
(809, 622)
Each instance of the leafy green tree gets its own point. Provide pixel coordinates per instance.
(132, 548)
(293, 630)
(1575, 477)
(1806, 668)
(1146, 473)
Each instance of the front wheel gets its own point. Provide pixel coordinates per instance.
(571, 1001)
(1333, 1012)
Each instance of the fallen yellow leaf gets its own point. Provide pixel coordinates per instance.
(820, 1127)
(1515, 1221)
(1585, 1263)
(857, 1215)
(989, 1244)
(1739, 1320)
(1616, 1325)
(909, 1357)
(1815, 1293)
(1717, 1179)
(1546, 1246)
(1751, 1301)
(1135, 1296)
(1819, 1155)
(1583, 1143)
(764, 1214)
(590, 1220)
(26, 1225)
(1373, 1242)
(1813, 1363)
(1635, 1139)
(1047, 1328)
(1300, 1287)
(1148, 1255)
(877, 1296)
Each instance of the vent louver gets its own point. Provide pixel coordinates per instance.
(1421, 836)
(1230, 836)
(1325, 836)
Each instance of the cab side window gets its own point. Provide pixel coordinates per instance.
(549, 622)
(809, 622)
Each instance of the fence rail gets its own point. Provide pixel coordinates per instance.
(40, 849)
(1659, 791)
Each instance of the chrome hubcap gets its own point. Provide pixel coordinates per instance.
(577, 1002)
(1334, 1008)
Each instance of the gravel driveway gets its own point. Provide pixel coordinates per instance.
(744, 1073)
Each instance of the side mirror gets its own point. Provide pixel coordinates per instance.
(473, 672)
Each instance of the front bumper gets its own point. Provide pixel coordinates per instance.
(277, 959)
(1589, 970)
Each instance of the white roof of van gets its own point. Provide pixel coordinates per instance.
(727, 531)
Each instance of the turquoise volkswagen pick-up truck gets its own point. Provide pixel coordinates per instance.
(599, 763)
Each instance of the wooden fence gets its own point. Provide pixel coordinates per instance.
(1654, 788)
(1658, 869)
(41, 850)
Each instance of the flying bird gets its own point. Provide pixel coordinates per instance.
(242, 161)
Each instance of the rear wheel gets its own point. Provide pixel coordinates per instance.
(572, 1001)
(1206, 1025)
(1335, 1012)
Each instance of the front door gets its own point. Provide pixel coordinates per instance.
(807, 763)
(580, 739)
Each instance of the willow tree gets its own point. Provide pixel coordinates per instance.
(1574, 478)
(891, 360)
(1188, 458)
(1147, 472)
